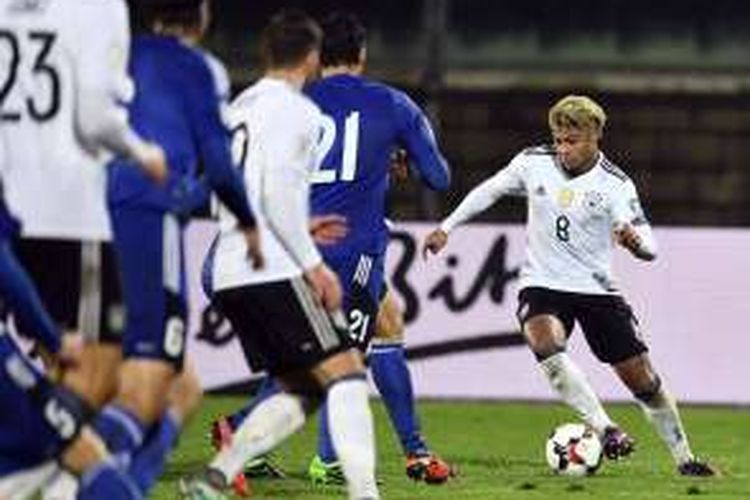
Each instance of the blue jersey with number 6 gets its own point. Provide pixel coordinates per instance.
(364, 122)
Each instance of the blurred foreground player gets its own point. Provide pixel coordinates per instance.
(178, 105)
(43, 424)
(61, 118)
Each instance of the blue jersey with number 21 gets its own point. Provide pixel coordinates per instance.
(364, 121)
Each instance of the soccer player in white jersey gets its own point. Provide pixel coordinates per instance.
(579, 206)
(60, 121)
(288, 314)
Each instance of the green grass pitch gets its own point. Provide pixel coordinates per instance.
(499, 450)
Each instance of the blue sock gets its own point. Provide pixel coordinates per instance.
(148, 461)
(106, 481)
(393, 380)
(121, 430)
(268, 387)
(325, 443)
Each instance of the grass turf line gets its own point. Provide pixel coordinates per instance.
(499, 450)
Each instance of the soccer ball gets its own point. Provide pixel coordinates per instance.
(574, 450)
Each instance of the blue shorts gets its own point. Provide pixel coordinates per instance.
(26, 438)
(362, 280)
(150, 252)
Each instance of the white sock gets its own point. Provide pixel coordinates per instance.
(351, 428)
(570, 382)
(270, 423)
(663, 414)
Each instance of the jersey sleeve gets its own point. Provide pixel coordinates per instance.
(509, 180)
(202, 104)
(417, 137)
(101, 50)
(626, 209)
(290, 137)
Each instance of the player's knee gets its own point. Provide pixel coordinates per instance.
(95, 379)
(543, 338)
(544, 347)
(186, 393)
(390, 321)
(340, 365)
(649, 391)
(390, 329)
(144, 385)
(306, 388)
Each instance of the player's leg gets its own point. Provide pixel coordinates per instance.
(547, 320)
(390, 371)
(223, 428)
(361, 276)
(79, 284)
(49, 421)
(184, 398)
(308, 351)
(349, 419)
(150, 254)
(256, 313)
(626, 352)
(391, 375)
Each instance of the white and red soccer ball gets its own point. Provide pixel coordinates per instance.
(574, 450)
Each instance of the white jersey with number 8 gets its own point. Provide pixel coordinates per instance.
(570, 219)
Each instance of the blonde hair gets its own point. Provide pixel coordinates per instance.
(577, 111)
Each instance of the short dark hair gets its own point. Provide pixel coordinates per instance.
(171, 12)
(344, 37)
(288, 38)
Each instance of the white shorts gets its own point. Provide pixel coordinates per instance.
(23, 484)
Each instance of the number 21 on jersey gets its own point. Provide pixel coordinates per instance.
(327, 173)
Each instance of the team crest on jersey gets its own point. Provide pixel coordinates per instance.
(540, 191)
(593, 200)
(565, 197)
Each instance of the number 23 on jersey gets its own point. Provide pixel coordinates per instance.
(42, 102)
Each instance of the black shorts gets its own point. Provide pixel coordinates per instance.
(607, 321)
(280, 326)
(79, 284)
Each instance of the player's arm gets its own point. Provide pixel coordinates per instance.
(18, 291)
(103, 86)
(212, 137)
(289, 144)
(417, 137)
(508, 180)
(285, 191)
(629, 224)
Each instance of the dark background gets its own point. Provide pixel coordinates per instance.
(674, 77)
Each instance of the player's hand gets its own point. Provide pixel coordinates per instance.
(326, 286)
(254, 252)
(71, 351)
(434, 242)
(399, 165)
(153, 161)
(628, 237)
(68, 357)
(328, 229)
